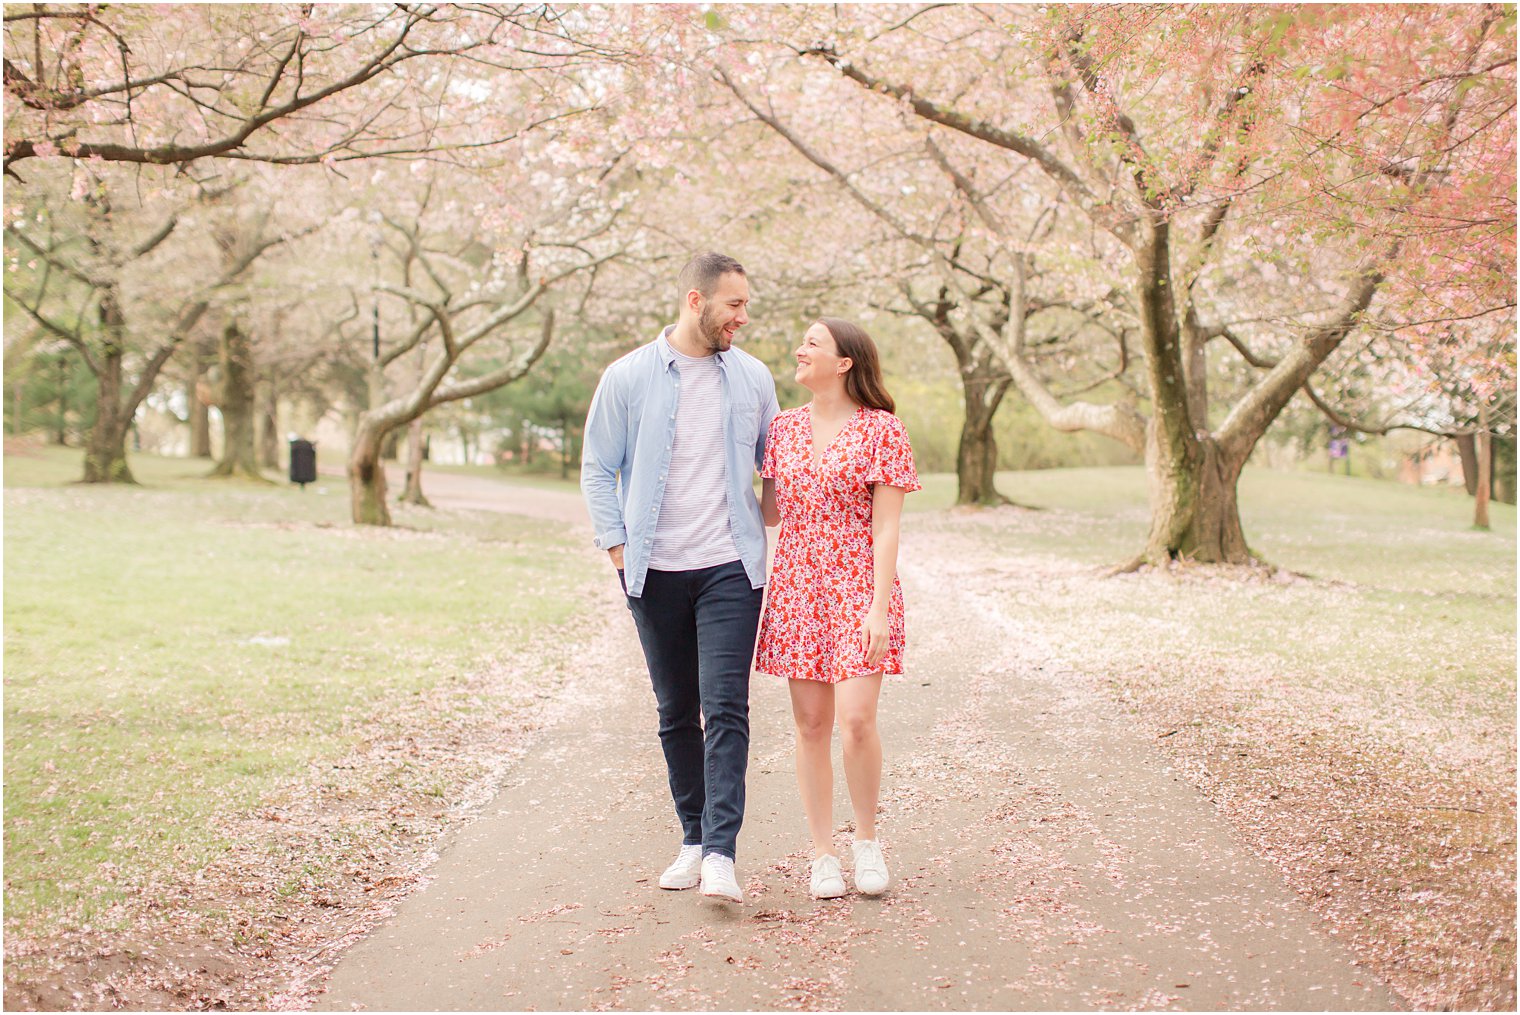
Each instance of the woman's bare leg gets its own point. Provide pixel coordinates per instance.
(855, 700)
(813, 711)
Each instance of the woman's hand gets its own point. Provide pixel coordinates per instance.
(873, 635)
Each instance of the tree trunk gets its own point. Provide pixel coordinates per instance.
(1176, 466)
(413, 493)
(1195, 513)
(1485, 468)
(1504, 467)
(199, 395)
(1195, 369)
(1467, 450)
(984, 381)
(237, 402)
(976, 458)
(366, 475)
(105, 454)
(269, 428)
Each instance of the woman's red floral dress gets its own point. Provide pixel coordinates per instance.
(824, 574)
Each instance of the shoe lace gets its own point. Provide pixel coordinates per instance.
(722, 866)
(687, 855)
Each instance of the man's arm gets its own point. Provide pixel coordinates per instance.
(602, 451)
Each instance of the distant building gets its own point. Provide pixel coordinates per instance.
(1434, 463)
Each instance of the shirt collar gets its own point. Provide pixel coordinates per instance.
(668, 354)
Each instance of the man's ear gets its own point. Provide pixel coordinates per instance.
(694, 301)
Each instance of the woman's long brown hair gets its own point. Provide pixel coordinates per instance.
(863, 381)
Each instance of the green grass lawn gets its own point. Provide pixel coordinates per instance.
(1334, 527)
(175, 649)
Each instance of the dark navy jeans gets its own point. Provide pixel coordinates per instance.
(698, 631)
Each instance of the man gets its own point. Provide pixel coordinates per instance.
(674, 436)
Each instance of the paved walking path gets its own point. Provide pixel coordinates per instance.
(1044, 855)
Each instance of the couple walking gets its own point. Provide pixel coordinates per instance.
(676, 431)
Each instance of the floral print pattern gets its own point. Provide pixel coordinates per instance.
(824, 576)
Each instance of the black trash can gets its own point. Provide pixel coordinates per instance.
(303, 462)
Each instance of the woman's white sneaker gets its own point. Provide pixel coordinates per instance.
(685, 872)
(827, 880)
(870, 867)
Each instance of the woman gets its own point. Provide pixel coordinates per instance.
(835, 473)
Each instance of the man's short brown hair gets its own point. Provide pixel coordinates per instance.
(703, 271)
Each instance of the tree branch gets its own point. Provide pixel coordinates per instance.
(392, 53)
(1251, 416)
(153, 239)
(1010, 140)
(818, 160)
(497, 378)
(1118, 421)
(1348, 423)
(50, 256)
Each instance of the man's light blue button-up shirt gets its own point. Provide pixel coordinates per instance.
(630, 431)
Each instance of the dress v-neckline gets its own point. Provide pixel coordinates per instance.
(815, 455)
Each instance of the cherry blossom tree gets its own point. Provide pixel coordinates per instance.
(92, 257)
(462, 283)
(290, 84)
(328, 88)
(1367, 153)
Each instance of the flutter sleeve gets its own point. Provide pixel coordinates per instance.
(892, 458)
(768, 462)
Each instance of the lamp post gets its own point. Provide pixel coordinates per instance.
(374, 303)
(376, 374)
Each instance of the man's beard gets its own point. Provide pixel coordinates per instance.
(712, 332)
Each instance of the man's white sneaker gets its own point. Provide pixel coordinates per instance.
(718, 878)
(827, 881)
(870, 867)
(685, 872)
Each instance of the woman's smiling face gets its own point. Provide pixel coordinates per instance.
(818, 359)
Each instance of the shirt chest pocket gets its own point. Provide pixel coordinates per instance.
(744, 423)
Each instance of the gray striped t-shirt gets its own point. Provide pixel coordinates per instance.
(692, 530)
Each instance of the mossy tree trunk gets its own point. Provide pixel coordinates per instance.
(977, 455)
(105, 453)
(237, 399)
